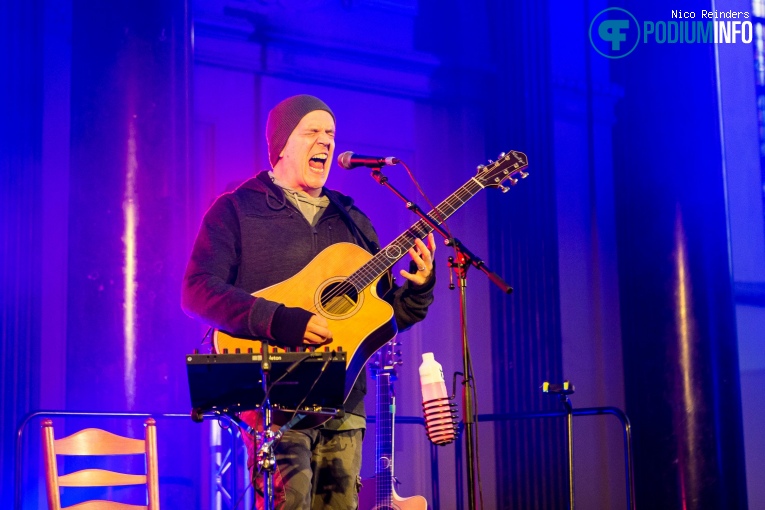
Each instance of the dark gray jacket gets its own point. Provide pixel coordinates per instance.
(253, 238)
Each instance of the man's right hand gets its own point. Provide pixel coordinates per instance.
(294, 326)
(317, 331)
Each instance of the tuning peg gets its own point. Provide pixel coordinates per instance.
(504, 189)
(524, 174)
(501, 155)
(480, 168)
(491, 161)
(398, 362)
(397, 353)
(513, 181)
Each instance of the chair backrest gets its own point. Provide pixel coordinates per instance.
(98, 442)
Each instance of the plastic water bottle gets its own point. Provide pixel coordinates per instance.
(439, 420)
(432, 378)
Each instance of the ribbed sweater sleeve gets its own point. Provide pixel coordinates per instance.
(410, 302)
(208, 293)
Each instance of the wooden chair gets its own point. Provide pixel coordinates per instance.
(97, 442)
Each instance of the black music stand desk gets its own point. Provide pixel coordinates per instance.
(235, 382)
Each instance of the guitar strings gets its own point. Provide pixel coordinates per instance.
(380, 262)
(352, 283)
(421, 225)
(384, 471)
(370, 268)
(406, 238)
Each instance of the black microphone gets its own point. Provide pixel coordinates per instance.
(349, 160)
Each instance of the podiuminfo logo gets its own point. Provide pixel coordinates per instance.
(616, 32)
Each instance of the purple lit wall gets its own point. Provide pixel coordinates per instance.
(122, 122)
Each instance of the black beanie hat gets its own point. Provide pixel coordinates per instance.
(284, 118)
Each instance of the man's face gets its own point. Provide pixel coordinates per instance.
(304, 162)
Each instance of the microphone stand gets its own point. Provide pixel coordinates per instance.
(465, 258)
(266, 458)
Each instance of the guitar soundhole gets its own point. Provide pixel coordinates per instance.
(339, 299)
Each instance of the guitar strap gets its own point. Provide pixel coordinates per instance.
(387, 283)
(358, 234)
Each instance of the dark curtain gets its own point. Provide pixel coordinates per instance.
(128, 226)
(526, 336)
(20, 222)
(678, 319)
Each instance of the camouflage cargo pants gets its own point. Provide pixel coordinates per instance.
(316, 469)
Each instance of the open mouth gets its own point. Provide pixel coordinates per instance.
(317, 162)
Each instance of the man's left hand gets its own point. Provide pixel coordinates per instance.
(423, 258)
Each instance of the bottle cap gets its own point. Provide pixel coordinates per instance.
(428, 356)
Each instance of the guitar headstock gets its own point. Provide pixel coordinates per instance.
(508, 167)
(385, 360)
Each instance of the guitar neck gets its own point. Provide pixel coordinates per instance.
(384, 439)
(381, 494)
(392, 253)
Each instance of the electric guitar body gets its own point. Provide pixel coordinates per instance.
(379, 492)
(367, 497)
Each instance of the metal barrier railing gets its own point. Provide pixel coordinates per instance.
(495, 417)
(584, 411)
(404, 420)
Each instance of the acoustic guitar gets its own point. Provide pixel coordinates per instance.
(340, 283)
(379, 493)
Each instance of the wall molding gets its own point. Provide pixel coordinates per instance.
(242, 40)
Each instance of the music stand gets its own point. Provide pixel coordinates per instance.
(297, 384)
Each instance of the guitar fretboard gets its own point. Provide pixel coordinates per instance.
(389, 255)
(384, 442)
